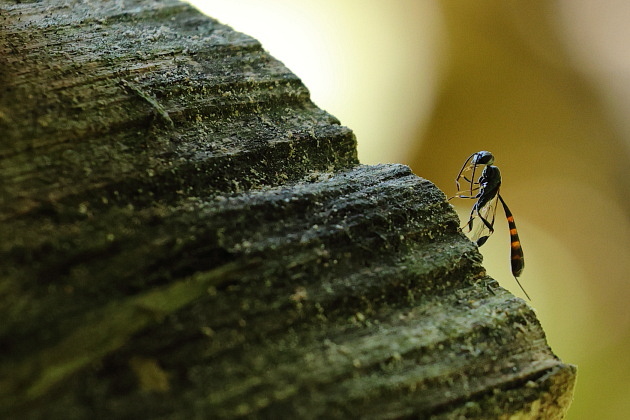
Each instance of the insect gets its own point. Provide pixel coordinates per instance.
(486, 191)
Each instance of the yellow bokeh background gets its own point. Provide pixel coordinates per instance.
(544, 86)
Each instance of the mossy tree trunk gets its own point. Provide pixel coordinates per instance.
(185, 235)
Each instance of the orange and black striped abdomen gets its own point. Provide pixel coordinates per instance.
(516, 258)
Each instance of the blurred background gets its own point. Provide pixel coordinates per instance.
(544, 86)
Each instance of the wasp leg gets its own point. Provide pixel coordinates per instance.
(459, 175)
(460, 194)
(469, 224)
(482, 240)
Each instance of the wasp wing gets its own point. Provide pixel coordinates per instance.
(481, 222)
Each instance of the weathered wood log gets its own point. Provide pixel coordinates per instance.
(185, 235)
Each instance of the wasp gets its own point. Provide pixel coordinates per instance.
(486, 191)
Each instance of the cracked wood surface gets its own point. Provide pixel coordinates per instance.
(186, 235)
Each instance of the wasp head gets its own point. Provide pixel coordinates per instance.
(483, 158)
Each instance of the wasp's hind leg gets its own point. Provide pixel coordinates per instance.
(469, 224)
(482, 239)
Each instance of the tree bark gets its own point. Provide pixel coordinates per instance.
(186, 235)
